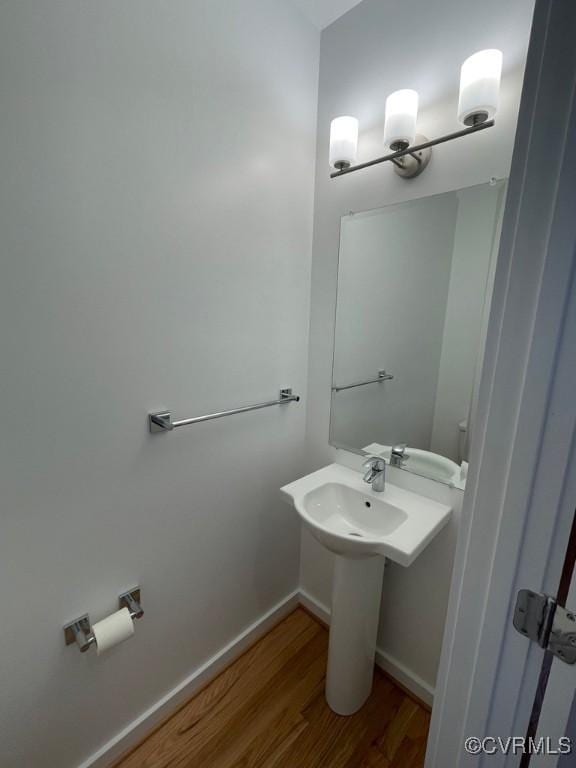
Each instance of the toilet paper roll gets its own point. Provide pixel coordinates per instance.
(112, 630)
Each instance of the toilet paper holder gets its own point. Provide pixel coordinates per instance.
(79, 631)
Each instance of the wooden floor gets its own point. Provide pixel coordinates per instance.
(267, 710)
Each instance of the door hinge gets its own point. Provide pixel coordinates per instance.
(542, 620)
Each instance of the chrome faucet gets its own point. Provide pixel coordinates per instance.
(376, 474)
(398, 455)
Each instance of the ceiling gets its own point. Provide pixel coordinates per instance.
(324, 12)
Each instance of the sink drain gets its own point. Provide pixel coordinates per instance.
(353, 533)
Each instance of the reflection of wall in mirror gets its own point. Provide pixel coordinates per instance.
(381, 324)
(470, 286)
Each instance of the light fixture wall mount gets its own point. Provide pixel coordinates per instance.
(414, 161)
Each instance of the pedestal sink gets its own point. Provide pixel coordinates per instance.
(362, 528)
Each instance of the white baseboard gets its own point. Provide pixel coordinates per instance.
(408, 679)
(139, 728)
(315, 607)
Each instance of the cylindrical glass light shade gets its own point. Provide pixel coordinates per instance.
(343, 142)
(480, 87)
(400, 120)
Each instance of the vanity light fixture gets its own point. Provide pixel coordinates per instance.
(400, 120)
(411, 152)
(343, 142)
(479, 87)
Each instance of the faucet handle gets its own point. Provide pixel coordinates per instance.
(399, 448)
(376, 473)
(374, 462)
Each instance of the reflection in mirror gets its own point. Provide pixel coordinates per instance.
(414, 287)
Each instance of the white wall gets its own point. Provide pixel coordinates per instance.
(364, 56)
(156, 192)
(475, 245)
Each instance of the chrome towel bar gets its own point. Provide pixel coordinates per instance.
(382, 376)
(162, 422)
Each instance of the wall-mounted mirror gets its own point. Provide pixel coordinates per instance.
(414, 287)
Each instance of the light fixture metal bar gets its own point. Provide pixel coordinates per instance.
(416, 148)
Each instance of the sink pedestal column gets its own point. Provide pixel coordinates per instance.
(356, 595)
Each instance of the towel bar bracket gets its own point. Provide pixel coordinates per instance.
(160, 422)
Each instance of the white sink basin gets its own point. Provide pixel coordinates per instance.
(350, 519)
(361, 527)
